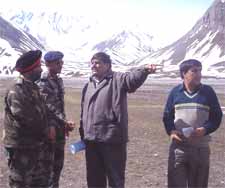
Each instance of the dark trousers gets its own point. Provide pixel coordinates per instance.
(188, 166)
(105, 163)
(58, 162)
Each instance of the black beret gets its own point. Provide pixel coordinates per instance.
(52, 56)
(28, 61)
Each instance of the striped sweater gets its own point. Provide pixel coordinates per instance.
(199, 109)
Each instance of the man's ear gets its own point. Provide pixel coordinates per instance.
(182, 76)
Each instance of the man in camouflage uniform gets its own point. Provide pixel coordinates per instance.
(26, 127)
(51, 86)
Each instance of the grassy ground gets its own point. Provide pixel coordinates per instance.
(147, 148)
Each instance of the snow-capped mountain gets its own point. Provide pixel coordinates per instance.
(18, 39)
(79, 37)
(205, 42)
(12, 43)
(125, 47)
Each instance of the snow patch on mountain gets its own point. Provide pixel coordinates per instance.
(8, 57)
(205, 42)
(80, 36)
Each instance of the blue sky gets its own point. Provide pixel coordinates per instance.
(167, 19)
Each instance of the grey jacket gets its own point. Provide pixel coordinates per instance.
(104, 116)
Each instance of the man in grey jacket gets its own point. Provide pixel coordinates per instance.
(104, 120)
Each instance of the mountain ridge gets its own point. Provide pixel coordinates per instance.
(80, 37)
(205, 42)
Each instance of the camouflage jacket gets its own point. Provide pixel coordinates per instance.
(25, 118)
(53, 91)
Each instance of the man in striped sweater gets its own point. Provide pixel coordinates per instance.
(191, 113)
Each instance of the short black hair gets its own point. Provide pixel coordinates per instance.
(187, 64)
(102, 56)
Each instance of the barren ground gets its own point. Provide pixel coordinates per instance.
(148, 145)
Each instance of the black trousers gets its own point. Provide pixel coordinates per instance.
(58, 163)
(188, 166)
(106, 163)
